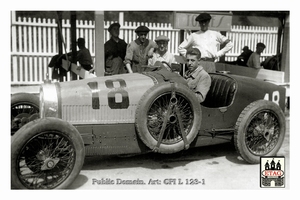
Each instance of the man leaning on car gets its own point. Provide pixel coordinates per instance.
(197, 78)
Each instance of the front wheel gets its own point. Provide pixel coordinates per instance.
(259, 131)
(46, 154)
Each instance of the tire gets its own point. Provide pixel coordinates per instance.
(24, 108)
(46, 153)
(259, 131)
(152, 111)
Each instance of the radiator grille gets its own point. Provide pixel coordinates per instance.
(80, 114)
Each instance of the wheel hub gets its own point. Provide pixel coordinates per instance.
(41, 155)
(268, 133)
(172, 119)
(49, 163)
(264, 131)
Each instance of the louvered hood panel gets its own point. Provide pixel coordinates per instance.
(105, 100)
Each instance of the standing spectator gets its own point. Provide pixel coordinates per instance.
(207, 41)
(244, 57)
(139, 50)
(115, 51)
(197, 78)
(161, 53)
(254, 60)
(84, 56)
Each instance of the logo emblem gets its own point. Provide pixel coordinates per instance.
(272, 172)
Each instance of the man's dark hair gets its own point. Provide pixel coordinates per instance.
(194, 51)
(81, 41)
(260, 44)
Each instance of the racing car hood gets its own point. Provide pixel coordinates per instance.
(108, 99)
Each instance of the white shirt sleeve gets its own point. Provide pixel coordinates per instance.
(228, 44)
(182, 49)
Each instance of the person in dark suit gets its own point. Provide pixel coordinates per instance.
(115, 51)
(244, 57)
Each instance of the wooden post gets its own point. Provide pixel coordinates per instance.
(99, 39)
(59, 22)
(121, 22)
(181, 39)
(121, 18)
(181, 36)
(73, 42)
(59, 38)
(285, 55)
(14, 47)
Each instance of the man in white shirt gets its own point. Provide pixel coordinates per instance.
(161, 53)
(207, 41)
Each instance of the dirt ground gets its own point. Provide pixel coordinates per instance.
(203, 168)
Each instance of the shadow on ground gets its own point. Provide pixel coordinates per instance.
(159, 161)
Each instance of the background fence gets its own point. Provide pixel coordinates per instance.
(34, 42)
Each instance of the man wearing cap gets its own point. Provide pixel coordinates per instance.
(161, 53)
(115, 51)
(244, 57)
(207, 41)
(139, 50)
(254, 59)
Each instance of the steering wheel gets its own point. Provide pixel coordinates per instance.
(168, 66)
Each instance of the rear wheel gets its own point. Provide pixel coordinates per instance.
(168, 118)
(24, 108)
(46, 154)
(259, 131)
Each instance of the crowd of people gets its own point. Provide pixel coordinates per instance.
(200, 51)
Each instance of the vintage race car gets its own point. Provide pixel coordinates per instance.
(136, 113)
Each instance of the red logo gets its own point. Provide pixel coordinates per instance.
(272, 173)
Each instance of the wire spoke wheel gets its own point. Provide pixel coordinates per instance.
(259, 131)
(263, 133)
(158, 113)
(24, 108)
(21, 114)
(45, 161)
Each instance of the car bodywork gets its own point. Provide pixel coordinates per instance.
(103, 109)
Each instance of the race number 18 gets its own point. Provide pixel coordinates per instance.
(117, 96)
